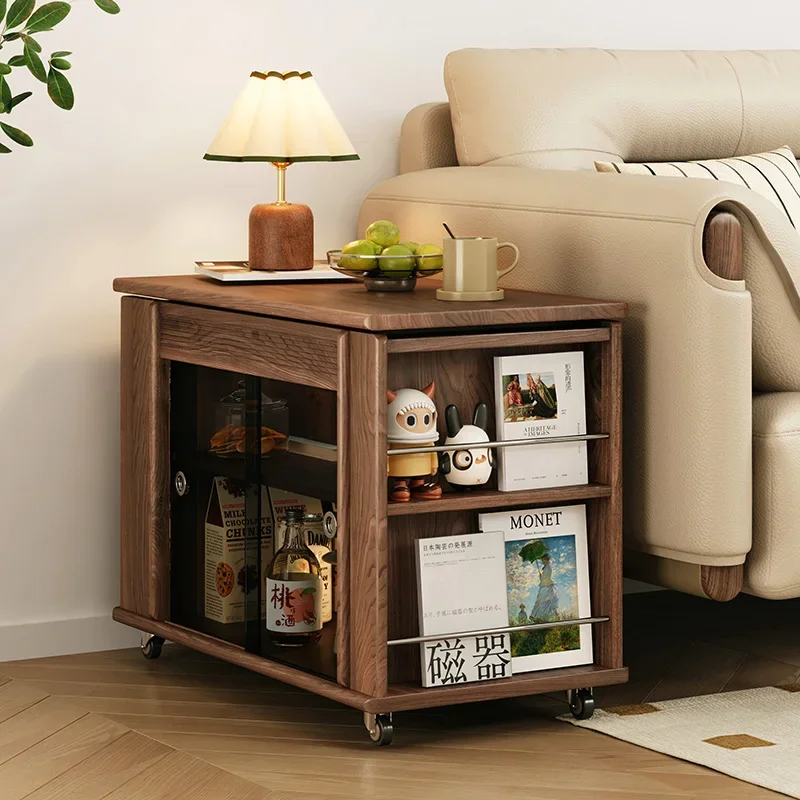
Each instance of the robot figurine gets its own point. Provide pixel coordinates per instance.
(465, 469)
(411, 422)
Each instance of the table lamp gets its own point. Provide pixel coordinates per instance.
(281, 117)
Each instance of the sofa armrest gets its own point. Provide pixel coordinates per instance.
(688, 382)
(426, 138)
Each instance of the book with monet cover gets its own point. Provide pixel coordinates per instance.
(540, 396)
(547, 580)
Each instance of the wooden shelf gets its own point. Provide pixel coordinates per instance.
(482, 500)
(405, 697)
(234, 654)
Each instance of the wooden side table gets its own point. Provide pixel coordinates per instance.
(332, 351)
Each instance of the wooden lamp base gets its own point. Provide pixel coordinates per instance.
(281, 237)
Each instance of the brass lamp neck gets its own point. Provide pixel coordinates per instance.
(281, 167)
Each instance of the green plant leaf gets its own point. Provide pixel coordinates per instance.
(3, 7)
(4, 69)
(20, 98)
(16, 61)
(20, 11)
(60, 90)
(2, 107)
(4, 149)
(109, 6)
(5, 94)
(35, 65)
(48, 16)
(60, 63)
(32, 43)
(16, 135)
(61, 54)
(10, 37)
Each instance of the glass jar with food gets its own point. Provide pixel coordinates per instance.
(230, 440)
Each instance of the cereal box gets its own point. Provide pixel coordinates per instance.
(229, 580)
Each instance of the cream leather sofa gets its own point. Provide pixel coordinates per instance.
(712, 397)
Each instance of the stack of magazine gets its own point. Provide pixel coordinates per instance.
(540, 396)
(526, 567)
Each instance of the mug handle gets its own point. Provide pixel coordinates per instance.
(516, 260)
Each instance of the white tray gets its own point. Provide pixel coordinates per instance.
(239, 272)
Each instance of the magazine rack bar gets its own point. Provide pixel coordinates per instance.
(335, 351)
(448, 448)
(536, 626)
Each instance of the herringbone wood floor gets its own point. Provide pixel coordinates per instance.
(149, 720)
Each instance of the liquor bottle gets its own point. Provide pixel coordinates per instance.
(294, 589)
(318, 542)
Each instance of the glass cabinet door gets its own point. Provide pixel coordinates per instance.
(243, 450)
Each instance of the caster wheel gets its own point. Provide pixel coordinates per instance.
(581, 703)
(152, 647)
(380, 728)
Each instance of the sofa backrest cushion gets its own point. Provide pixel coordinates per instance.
(566, 109)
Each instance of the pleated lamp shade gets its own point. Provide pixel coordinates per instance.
(281, 117)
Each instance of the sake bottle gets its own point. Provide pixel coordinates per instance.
(294, 588)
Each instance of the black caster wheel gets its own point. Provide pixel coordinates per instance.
(581, 703)
(152, 647)
(380, 728)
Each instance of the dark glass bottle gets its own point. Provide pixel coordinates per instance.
(294, 589)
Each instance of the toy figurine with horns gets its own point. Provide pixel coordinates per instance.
(411, 422)
(466, 468)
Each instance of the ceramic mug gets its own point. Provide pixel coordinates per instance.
(470, 269)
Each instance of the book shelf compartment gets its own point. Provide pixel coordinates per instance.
(465, 377)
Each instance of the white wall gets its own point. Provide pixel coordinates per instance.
(118, 187)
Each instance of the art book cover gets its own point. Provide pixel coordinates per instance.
(547, 580)
(539, 396)
(461, 588)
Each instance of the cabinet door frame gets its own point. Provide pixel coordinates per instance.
(144, 459)
(155, 332)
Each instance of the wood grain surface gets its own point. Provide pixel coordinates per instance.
(35, 723)
(253, 727)
(281, 237)
(144, 489)
(403, 697)
(479, 341)
(269, 348)
(604, 515)
(237, 655)
(351, 306)
(367, 528)
(722, 583)
(53, 755)
(106, 770)
(482, 500)
(16, 697)
(723, 245)
(57, 749)
(342, 540)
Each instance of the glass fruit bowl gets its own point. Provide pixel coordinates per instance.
(386, 273)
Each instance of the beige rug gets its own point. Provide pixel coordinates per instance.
(752, 735)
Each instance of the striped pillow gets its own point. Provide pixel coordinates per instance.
(774, 175)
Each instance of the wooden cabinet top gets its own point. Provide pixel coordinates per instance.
(351, 306)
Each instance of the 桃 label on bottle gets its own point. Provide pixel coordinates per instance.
(294, 606)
